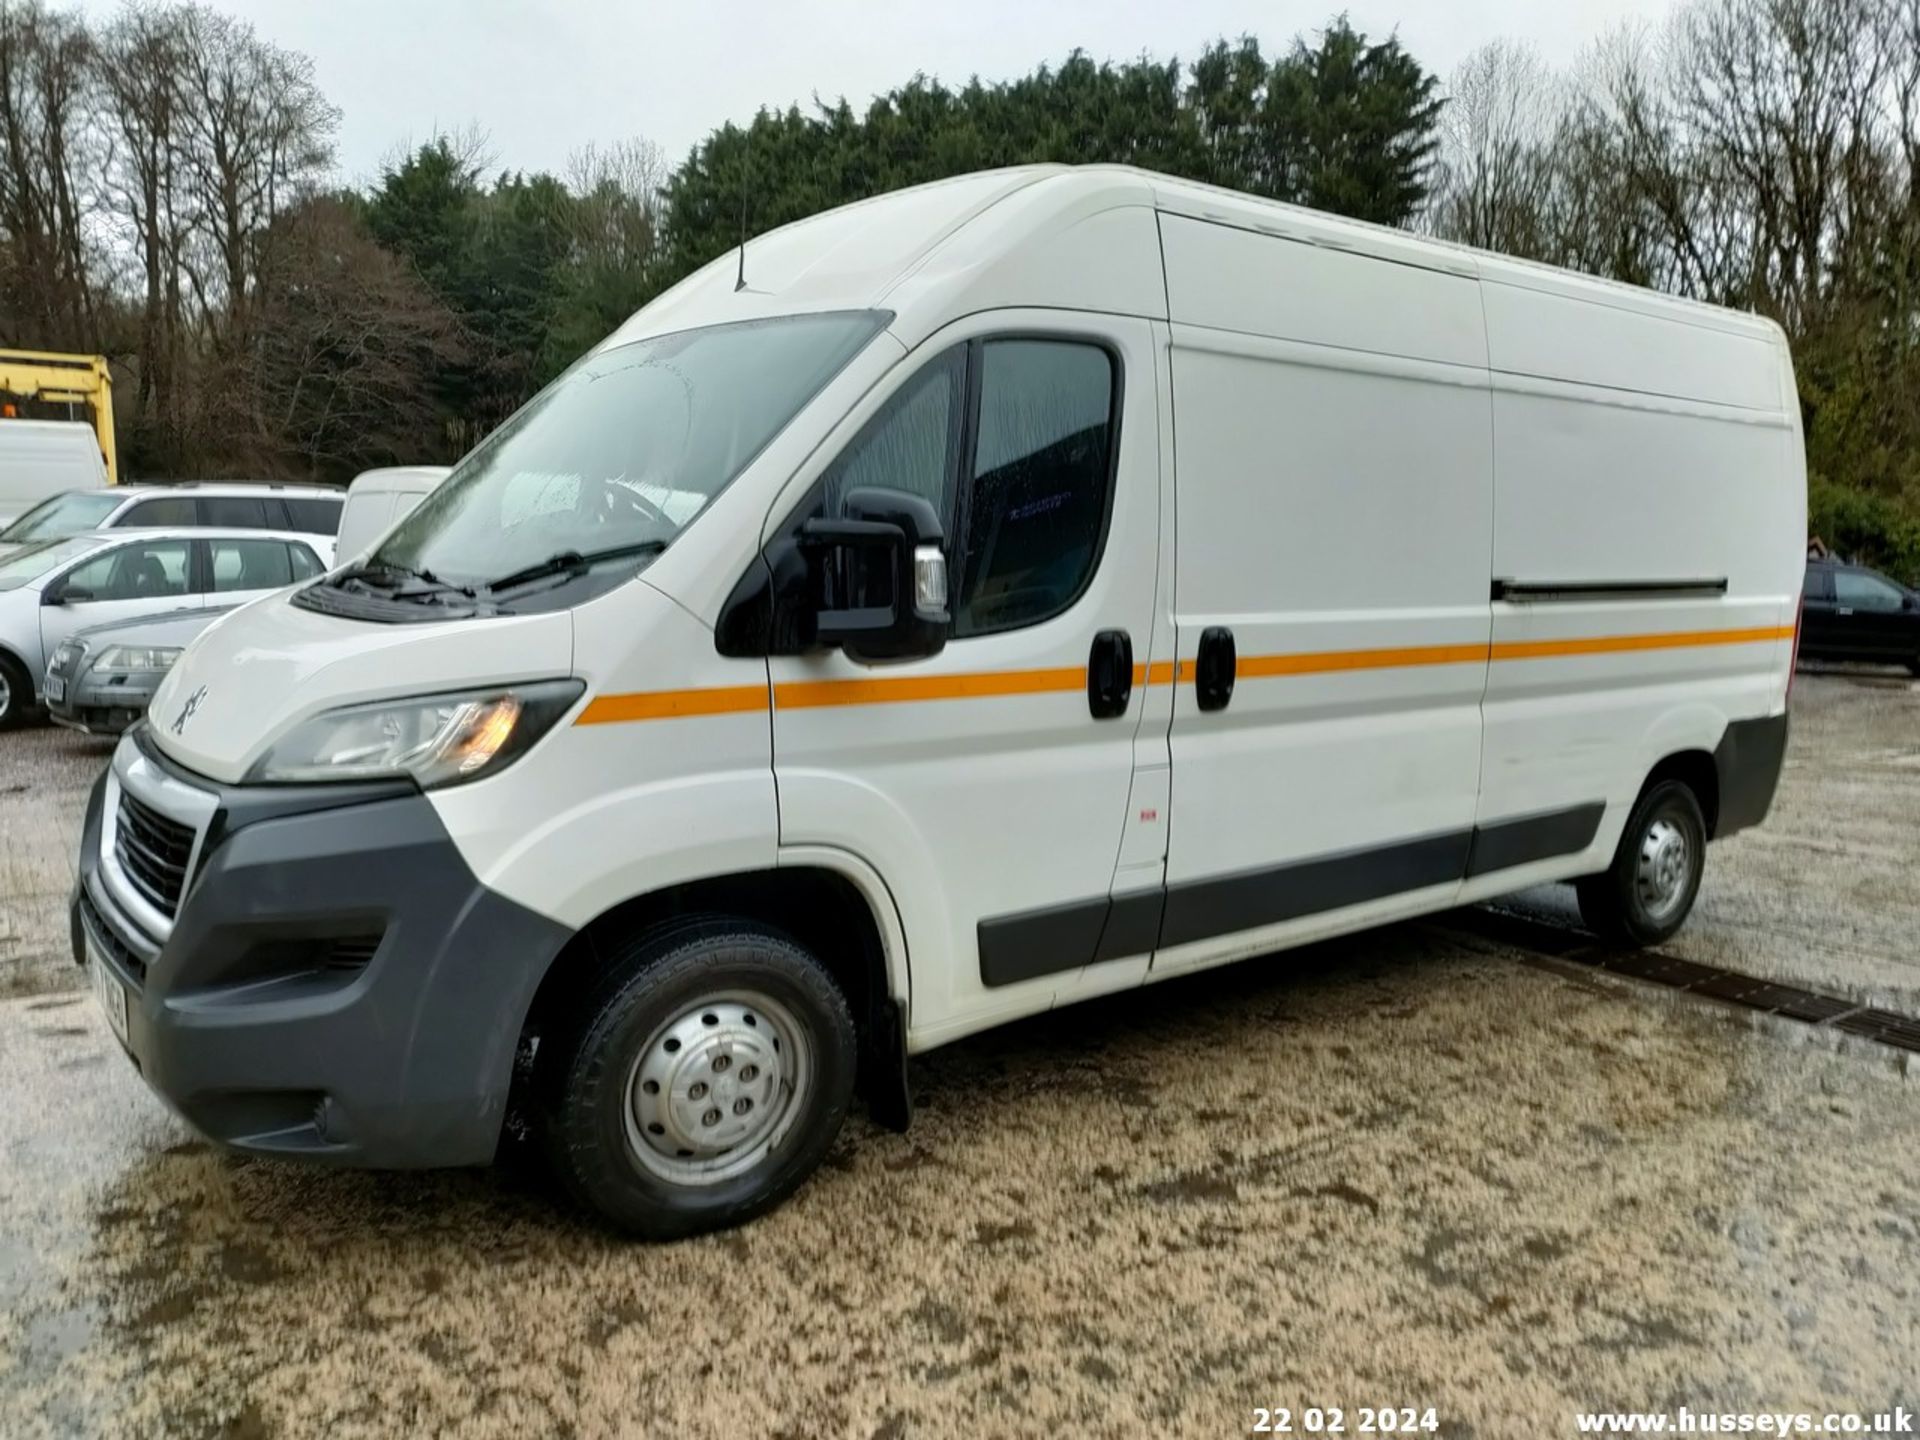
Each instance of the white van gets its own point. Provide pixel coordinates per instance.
(1096, 577)
(43, 458)
(377, 499)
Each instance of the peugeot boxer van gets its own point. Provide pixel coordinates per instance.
(991, 595)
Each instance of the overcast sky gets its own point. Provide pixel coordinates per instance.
(544, 78)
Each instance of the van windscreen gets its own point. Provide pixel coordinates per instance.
(621, 453)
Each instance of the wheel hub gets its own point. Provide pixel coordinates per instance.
(715, 1088)
(1666, 861)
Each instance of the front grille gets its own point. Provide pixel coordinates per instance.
(351, 953)
(103, 935)
(153, 851)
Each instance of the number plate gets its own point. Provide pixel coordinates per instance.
(111, 994)
(56, 688)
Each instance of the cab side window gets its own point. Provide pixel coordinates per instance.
(1036, 507)
(913, 443)
(1857, 590)
(1012, 441)
(132, 572)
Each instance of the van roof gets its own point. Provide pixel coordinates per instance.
(878, 253)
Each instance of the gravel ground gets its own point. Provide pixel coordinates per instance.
(45, 773)
(1402, 1169)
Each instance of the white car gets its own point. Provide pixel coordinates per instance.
(1026, 587)
(50, 591)
(309, 510)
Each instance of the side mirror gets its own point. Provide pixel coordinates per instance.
(62, 595)
(886, 574)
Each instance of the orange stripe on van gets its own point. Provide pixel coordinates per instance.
(1621, 644)
(991, 684)
(673, 704)
(893, 690)
(1323, 662)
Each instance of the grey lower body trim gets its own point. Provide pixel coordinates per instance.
(1070, 937)
(1512, 843)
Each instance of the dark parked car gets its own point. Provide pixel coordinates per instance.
(1852, 613)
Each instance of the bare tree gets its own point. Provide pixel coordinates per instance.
(142, 64)
(255, 138)
(1496, 185)
(45, 203)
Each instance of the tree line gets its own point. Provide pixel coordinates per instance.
(168, 198)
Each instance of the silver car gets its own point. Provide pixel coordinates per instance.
(101, 679)
(51, 592)
(310, 510)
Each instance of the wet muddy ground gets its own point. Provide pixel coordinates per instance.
(1412, 1168)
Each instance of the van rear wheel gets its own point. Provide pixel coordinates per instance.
(1645, 896)
(702, 1082)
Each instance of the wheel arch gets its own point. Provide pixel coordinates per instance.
(1697, 771)
(827, 900)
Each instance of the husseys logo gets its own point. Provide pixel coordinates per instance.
(188, 710)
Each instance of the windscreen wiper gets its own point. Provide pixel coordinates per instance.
(400, 582)
(570, 563)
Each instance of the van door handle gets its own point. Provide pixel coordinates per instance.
(1214, 669)
(1110, 675)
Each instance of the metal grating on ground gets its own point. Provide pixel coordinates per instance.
(1769, 997)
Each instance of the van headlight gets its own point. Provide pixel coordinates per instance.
(436, 739)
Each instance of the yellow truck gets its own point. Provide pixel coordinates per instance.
(41, 385)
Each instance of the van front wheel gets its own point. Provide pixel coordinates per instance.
(1648, 892)
(702, 1082)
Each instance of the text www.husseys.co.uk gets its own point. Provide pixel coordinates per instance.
(1898, 1421)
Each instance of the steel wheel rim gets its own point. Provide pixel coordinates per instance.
(716, 1088)
(6, 693)
(1664, 869)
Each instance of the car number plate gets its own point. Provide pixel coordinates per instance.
(111, 994)
(56, 688)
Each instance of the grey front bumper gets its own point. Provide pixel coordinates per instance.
(336, 983)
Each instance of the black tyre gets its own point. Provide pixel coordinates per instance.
(1648, 892)
(701, 1082)
(16, 694)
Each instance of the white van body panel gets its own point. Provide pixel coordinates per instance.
(42, 458)
(1336, 442)
(1335, 509)
(624, 808)
(271, 665)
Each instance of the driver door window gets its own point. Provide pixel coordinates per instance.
(1024, 532)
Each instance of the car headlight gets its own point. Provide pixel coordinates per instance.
(436, 739)
(137, 658)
